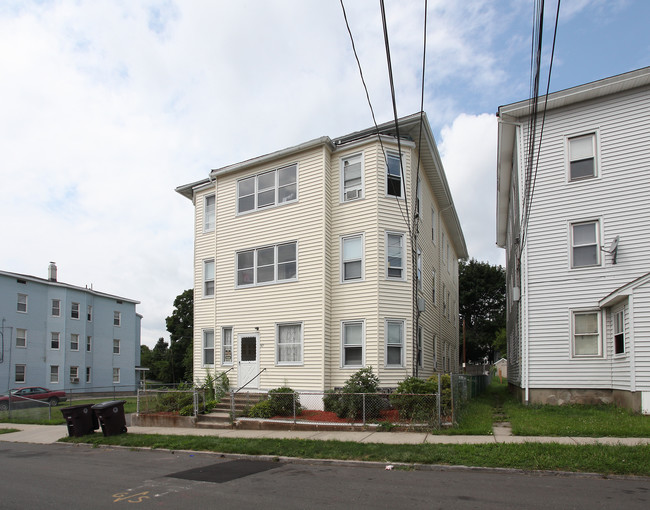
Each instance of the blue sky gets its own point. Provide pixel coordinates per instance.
(107, 106)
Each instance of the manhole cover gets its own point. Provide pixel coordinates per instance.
(225, 471)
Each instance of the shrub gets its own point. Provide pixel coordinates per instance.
(263, 409)
(173, 401)
(332, 401)
(411, 401)
(187, 410)
(282, 401)
(350, 404)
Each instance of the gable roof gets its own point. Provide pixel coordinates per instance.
(624, 291)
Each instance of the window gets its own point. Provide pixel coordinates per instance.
(582, 157)
(419, 353)
(88, 374)
(74, 374)
(20, 374)
(54, 374)
(21, 338)
(56, 308)
(289, 344)
(585, 250)
(433, 291)
(352, 178)
(352, 355)
(419, 269)
(394, 343)
(74, 342)
(116, 346)
(352, 258)
(226, 346)
(395, 256)
(442, 247)
(433, 225)
(271, 264)
(116, 375)
(117, 319)
(89, 343)
(267, 189)
(89, 314)
(586, 334)
(55, 340)
(619, 332)
(418, 197)
(448, 307)
(393, 175)
(74, 310)
(208, 278)
(208, 347)
(435, 353)
(208, 213)
(444, 302)
(21, 305)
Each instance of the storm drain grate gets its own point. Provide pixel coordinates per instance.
(225, 471)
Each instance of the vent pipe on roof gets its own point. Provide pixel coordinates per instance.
(51, 272)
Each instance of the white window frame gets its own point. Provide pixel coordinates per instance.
(21, 336)
(224, 331)
(74, 373)
(345, 323)
(20, 380)
(55, 311)
(206, 347)
(618, 328)
(276, 187)
(54, 374)
(75, 309)
(74, 336)
(209, 213)
(116, 375)
(300, 342)
(58, 340)
(88, 375)
(595, 145)
(351, 193)
(401, 344)
(21, 303)
(276, 265)
(433, 225)
(89, 313)
(350, 237)
(435, 352)
(89, 343)
(402, 266)
(419, 268)
(208, 279)
(117, 319)
(598, 334)
(116, 346)
(433, 287)
(420, 353)
(394, 155)
(597, 245)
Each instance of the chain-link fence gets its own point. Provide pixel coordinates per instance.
(464, 388)
(181, 400)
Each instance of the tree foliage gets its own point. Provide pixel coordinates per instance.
(180, 325)
(482, 304)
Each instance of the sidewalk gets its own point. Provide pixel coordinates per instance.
(45, 434)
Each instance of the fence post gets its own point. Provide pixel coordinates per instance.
(452, 387)
(439, 399)
(137, 401)
(363, 395)
(294, 407)
(232, 406)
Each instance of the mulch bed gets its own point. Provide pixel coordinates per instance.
(330, 417)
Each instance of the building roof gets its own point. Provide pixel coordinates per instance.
(45, 281)
(510, 116)
(412, 129)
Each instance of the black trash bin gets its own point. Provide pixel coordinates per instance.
(111, 417)
(81, 420)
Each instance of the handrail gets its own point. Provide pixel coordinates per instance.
(250, 381)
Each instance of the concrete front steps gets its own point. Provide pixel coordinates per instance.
(219, 417)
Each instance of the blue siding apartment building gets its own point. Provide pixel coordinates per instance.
(65, 337)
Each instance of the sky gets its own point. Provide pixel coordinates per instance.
(107, 106)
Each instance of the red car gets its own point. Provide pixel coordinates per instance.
(30, 396)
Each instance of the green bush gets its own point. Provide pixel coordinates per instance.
(282, 401)
(187, 410)
(173, 401)
(331, 401)
(263, 409)
(350, 403)
(408, 399)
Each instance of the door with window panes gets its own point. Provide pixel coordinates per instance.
(249, 365)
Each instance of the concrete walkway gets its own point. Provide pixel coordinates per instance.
(44, 434)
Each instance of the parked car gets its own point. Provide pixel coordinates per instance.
(30, 396)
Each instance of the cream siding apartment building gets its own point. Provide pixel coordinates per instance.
(578, 270)
(303, 263)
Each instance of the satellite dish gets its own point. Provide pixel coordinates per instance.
(613, 249)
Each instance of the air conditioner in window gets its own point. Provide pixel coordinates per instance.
(74, 379)
(353, 194)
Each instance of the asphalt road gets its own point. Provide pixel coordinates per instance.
(62, 476)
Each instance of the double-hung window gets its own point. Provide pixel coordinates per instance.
(19, 375)
(433, 286)
(89, 343)
(352, 258)
(433, 225)
(289, 344)
(394, 343)
(116, 346)
(21, 305)
(270, 264)
(352, 178)
(582, 157)
(209, 213)
(395, 256)
(585, 245)
(89, 314)
(74, 310)
(208, 278)
(56, 308)
(393, 175)
(208, 347)
(226, 346)
(619, 332)
(267, 189)
(586, 334)
(21, 338)
(116, 375)
(88, 374)
(352, 341)
(74, 374)
(117, 319)
(419, 353)
(55, 339)
(74, 342)
(54, 374)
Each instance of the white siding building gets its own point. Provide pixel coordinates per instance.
(303, 267)
(575, 224)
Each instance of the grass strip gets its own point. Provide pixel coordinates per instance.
(604, 459)
(7, 431)
(40, 415)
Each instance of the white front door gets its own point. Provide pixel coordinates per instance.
(249, 364)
